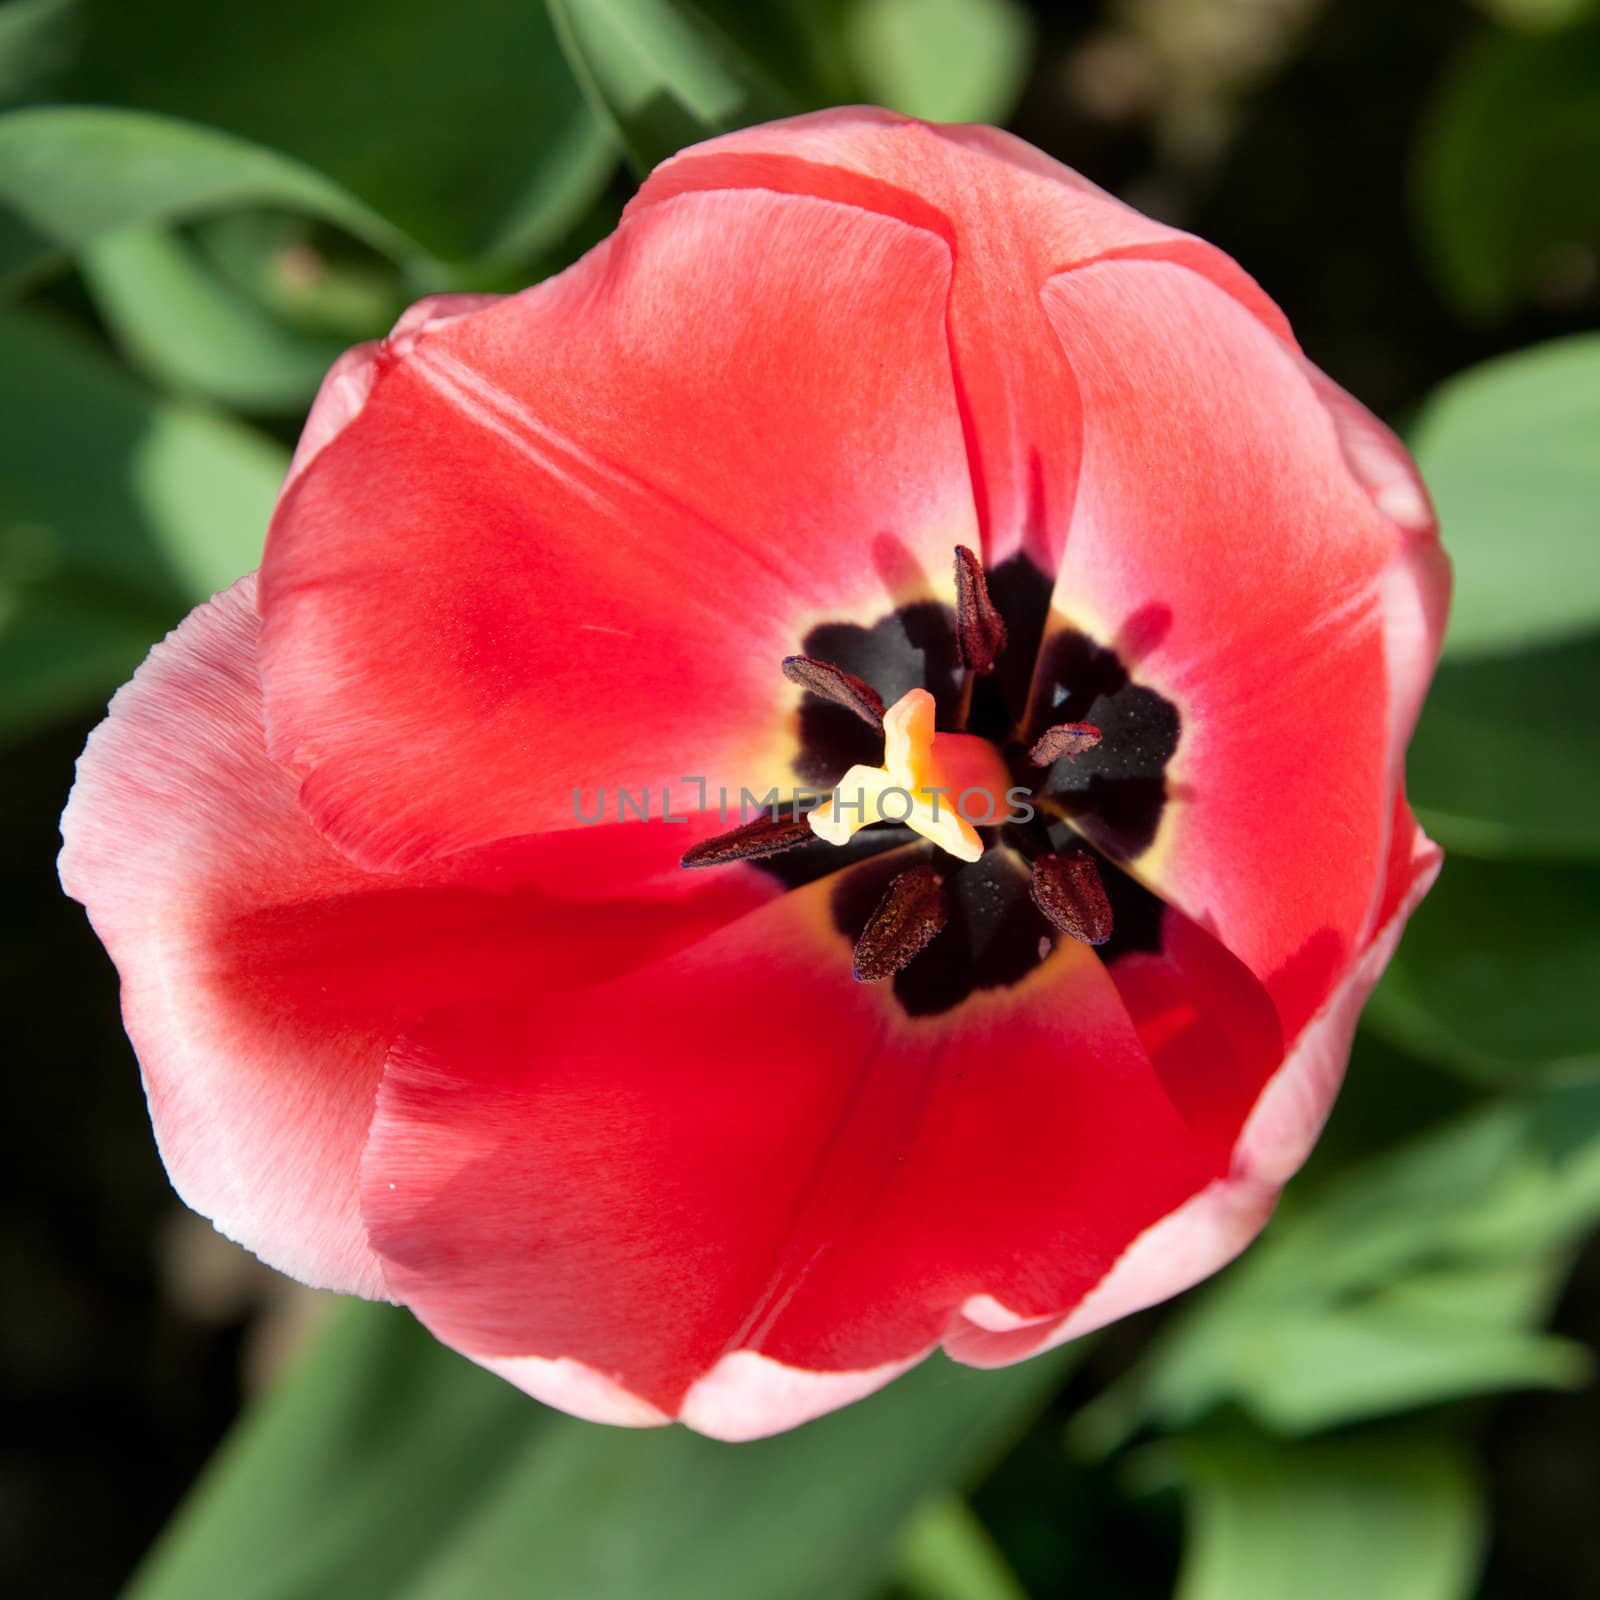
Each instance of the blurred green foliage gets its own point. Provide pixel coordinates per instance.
(493, 150)
(198, 209)
(1506, 167)
(1508, 451)
(382, 1427)
(122, 507)
(1390, 1516)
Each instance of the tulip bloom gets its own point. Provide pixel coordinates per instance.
(869, 456)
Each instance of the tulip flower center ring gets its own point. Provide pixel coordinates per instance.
(987, 840)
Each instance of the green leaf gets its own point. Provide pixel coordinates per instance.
(945, 60)
(811, 1512)
(37, 41)
(194, 332)
(1301, 1369)
(1511, 453)
(208, 486)
(1496, 971)
(296, 273)
(666, 73)
(1395, 1352)
(1507, 200)
(1417, 1277)
(118, 510)
(1387, 1516)
(463, 127)
(69, 174)
(387, 1466)
(946, 1554)
(1505, 761)
(346, 1476)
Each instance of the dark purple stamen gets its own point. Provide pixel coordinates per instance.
(980, 634)
(910, 916)
(766, 836)
(835, 684)
(1068, 890)
(1065, 739)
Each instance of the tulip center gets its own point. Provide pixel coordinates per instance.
(936, 784)
(1048, 771)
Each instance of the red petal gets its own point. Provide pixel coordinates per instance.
(569, 539)
(264, 975)
(739, 1149)
(1222, 539)
(1209, 1230)
(1012, 217)
(1209, 1027)
(1286, 1121)
(350, 379)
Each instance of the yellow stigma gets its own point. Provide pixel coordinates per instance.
(925, 776)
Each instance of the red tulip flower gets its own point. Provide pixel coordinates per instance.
(891, 461)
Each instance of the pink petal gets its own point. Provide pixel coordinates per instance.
(750, 1396)
(264, 975)
(1285, 1123)
(572, 1387)
(350, 379)
(1416, 587)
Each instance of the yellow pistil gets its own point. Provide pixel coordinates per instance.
(930, 782)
